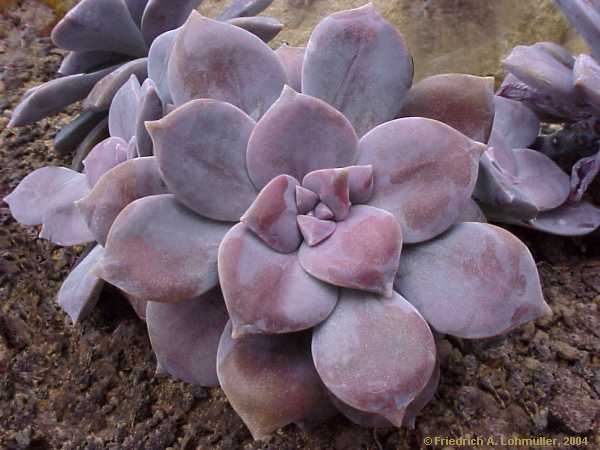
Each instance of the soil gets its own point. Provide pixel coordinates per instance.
(92, 386)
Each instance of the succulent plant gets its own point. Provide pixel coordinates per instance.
(295, 245)
(109, 41)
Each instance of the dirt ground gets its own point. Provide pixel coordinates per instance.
(92, 386)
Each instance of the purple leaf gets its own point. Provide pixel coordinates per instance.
(102, 158)
(80, 291)
(52, 97)
(65, 226)
(515, 125)
(165, 15)
(123, 110)
(360, 182)
(149, 108)
(424, 173)
(315, 230)
(471, 212)
(136, 10)
(272, 216)
(582, 174)
(584, 15)
(306, 200)
(185, 336)
(568, 220)
(362, 253)
(217, 60)
(79, 62)
(465, 102)
(264, 27)
(323, 212)
(117, 188)
(94, 136)
(99, 25)
(270, 381)
(343, 66)
(244, 8)
(204, 162)
(474, 281)
(158, 60)
(424, 397)
(586, 73)
(278, 144)
(384, 362)
(158, 250)
(558, 52)
(331, 185)
(292, 59)
(266, 291)
(361, 418)
(103, 93)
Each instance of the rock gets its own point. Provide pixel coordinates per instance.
(576, 415)
(467, 36)
(566, 351)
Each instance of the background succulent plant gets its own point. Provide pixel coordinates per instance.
(108, 42)
(264, 239)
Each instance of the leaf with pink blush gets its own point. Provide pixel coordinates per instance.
(475, 281)
(323, 212)
(424, 173)
(568, 220)
(278, 144)
(104, 91)
(382, 365)
(471, 212)
(585, 17)
(315, 230)
(99, 25)
(117, 188)
(217, 60)
(158, 60)
(264, 27)
(136, 10)
(270, 381)
(583, 173)
(292, 59)
(164, 15)
(266, 291)
(465, 102)
(586, 73)
(343, 66)
(204, 162)
(360, 418)
(306, 200)
(332, 187)
(123, 110)
(160, 251)
(149, 108)
(362, 253)
(515, 125)
(244, 8)
(360, 183)
(54, 96)
(559, 53)
(272, 216)
(185, 336)
(87, 61)
(103, 157)
(80, 291)
(65, 226)
(424, 397)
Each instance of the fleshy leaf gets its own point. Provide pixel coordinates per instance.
(343, 62)
(515, 125)
(266, 291)
(361, 418)
(149, 108)
(424, 173)
(582, 174)
(136, 10)
(158, 61)
(568, 220)
(204, 162)
(586, 73)
(360, 182)
(332, 186)
(65, 226)
(217, 60)
(100, 25)
(272, 216)
(475, 281)
(292, 59)
(306, 200)
(92, 138)
(558, 52)
(158, 250)
(80, 62)
(315, 230)
(244, 8)
(387, 334)
(270, 381)
(185, 336)
(585, 17)
(465, 102)
(363, 253)
(279, 144)
(102, 158)
(103, 93)
(165, 15)
(323, 212)
(424, 397)
(52, 97)
(264, 27)
(123, 110)
(471, 212)
(80, 291)
(71, 135)
(116, 189)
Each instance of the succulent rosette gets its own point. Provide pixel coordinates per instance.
(108, 42)
(298, 246)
